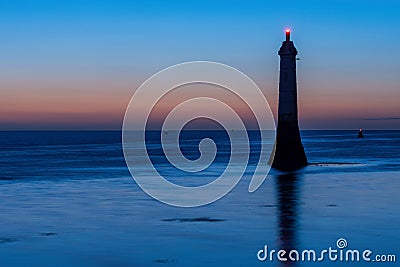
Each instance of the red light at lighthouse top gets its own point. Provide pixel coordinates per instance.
(287, 31)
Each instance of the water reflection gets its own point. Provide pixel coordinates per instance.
(288, 200)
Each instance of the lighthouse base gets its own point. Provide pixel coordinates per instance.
(289, 151)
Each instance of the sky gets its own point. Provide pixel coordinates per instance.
(75, 65)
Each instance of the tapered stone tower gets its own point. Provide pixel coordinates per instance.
(289, 151)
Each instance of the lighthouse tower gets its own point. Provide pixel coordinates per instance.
(289, 151)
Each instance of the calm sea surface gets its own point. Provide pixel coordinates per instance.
(67, 199)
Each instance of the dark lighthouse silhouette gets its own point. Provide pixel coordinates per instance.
(289, 151)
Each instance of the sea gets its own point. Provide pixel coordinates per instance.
(67, 199)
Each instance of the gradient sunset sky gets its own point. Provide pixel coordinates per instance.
(76, 64)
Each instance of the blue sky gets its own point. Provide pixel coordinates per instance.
(75, 64)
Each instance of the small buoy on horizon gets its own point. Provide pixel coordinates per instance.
(360, 133)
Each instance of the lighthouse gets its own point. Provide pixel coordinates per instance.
(289, 151)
